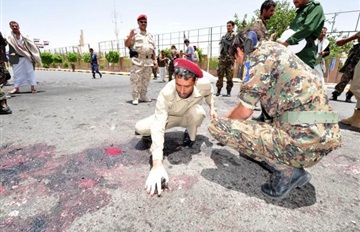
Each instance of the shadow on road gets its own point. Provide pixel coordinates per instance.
(173, 149)
(348, 127)
(242, 175)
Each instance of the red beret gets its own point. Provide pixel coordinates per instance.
(188, 65)
(142, 16)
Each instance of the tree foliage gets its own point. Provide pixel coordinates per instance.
(46, 58)
(57, 59)
(72, 57)
(86, 57)
(112, 57)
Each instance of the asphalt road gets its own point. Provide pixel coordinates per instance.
(69, 161)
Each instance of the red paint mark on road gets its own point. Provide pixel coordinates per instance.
(87, 183)
(114, 151)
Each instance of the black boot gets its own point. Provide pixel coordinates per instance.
(349, 94)
(228, 93)
(186, 140)
(100, 74)
(218, 92)
(4, 108)
(334, 96)
(94, 76)
(283, 182)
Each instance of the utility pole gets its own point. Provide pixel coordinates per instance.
(116, 30)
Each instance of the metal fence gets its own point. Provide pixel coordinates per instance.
(207, 39)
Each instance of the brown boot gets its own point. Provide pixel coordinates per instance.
(349, 121)
(356, 119)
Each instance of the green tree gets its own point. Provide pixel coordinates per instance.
(112, 57)
(86, 57)
(46, 58)
(57, 59)
(72, 57)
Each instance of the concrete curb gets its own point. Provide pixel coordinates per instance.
(236, 80)
(84, 71)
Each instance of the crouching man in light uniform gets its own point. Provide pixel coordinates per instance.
(178, 105)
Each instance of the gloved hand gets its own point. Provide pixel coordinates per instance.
(156, 176)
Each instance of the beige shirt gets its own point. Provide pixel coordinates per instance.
(170, 104)
(144, 44)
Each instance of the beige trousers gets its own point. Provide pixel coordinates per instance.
(355, 84)
(191, 120)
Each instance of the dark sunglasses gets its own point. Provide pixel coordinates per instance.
(143, 21)
(184, 73)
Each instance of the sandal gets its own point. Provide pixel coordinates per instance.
(33, 91)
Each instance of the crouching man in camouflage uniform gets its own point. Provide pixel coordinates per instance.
(304, 129)
(143, 46)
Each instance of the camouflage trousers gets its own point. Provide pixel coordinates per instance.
(225, 69)
(3, 72)
(140, 77)
(345, 79)
(263, 142)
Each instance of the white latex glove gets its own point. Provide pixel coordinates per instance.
(153, 182)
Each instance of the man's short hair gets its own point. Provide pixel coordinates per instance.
(13, 22)
(267, 5)
(186, 41)
(231, 22)
(90, 49)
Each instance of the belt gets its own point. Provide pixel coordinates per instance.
(143, 56)
(310, 117)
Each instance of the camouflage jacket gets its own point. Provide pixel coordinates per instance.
(282, 82)
(225, 44)
(352, 60)
(260, 27)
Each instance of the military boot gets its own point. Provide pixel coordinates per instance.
(187, 141)
(228, 93)
(351, 120)
(334, 96)
(5, 109)
(218, 92)
(356, 121)
(349, 94)
(284, 181)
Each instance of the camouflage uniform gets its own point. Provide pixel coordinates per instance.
(226, 63)
(348, 69)
(3, 74)
(260, 27)
(282, 83)
(144, 44)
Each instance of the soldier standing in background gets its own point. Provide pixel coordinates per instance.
(354, 120)
(226, 63)
(143, 46)
(267, 10)
(4, 109)
(347, 70)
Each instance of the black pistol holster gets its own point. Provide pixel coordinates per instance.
(133, 53)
